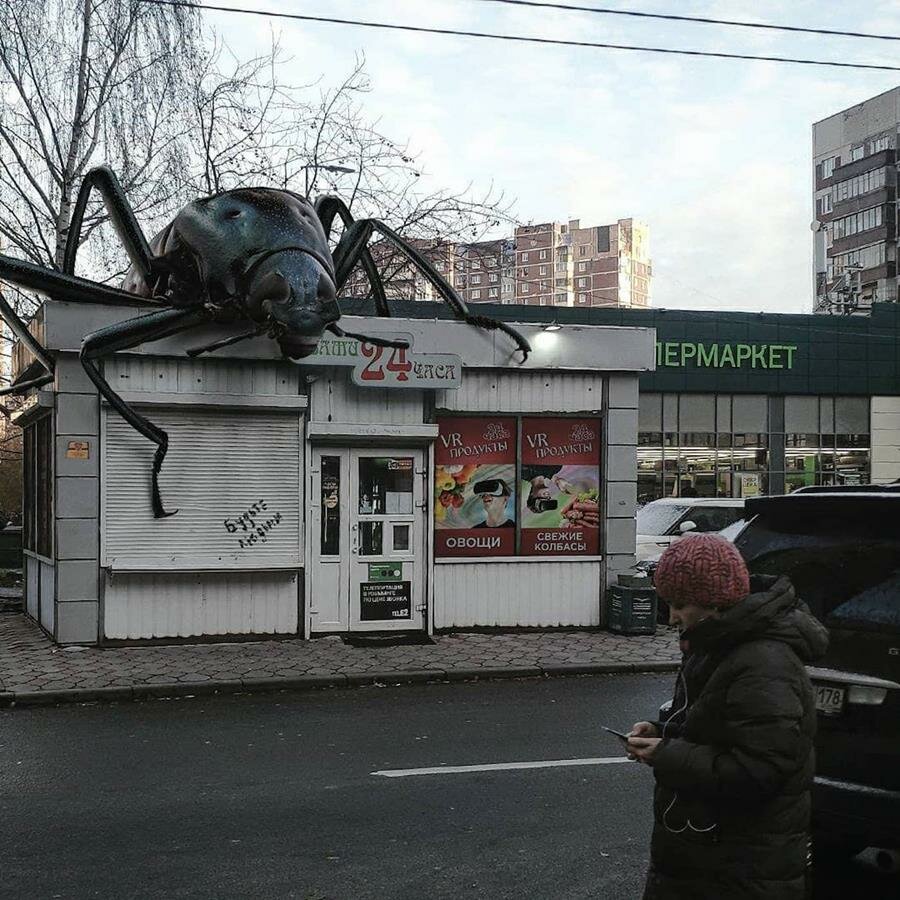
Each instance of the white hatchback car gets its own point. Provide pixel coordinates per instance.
(661, 522)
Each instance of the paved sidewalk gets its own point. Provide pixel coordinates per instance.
(33, 670)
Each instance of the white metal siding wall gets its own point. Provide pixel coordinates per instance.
(885, 434)
(201, 376)
(183, 604)
(48, 596)
(510, 594)
(334, 398)
(32, 574)
(218, 465)
(494, 391)
(541, 593)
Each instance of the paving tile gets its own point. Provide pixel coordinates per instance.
(32, 664)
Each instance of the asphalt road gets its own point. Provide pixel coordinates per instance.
(274, 796)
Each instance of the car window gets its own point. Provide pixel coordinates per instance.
(713, 518)
(733, 530)
(875, 609)
(829, 564)
(658, 518)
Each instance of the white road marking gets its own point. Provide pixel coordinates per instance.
(497, 767)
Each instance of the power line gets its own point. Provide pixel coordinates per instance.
(768, 26)
(516, 38)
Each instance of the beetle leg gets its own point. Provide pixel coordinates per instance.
(61, 286)
(122, 218)
(122, 336)
(451, 298)
(352, 248)
(20, 330)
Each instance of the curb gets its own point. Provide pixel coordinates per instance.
(12, 699)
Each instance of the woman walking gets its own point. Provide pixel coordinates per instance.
(734, 761)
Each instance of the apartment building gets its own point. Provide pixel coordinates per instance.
(484, 272)
(855, 201)
(551, 264)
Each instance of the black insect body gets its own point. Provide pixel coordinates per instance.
(258, 257)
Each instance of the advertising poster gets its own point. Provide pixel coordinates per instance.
(380, 600)
(475, 487)
(560, 487)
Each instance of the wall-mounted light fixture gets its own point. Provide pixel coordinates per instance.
(545, 339)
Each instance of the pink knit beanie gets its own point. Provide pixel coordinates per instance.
(704, 569)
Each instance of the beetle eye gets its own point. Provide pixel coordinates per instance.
(233, 214)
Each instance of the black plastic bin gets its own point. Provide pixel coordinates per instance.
(631, 608)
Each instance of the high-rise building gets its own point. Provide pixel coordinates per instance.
(552, 264)
(567, 265)
(855, 199)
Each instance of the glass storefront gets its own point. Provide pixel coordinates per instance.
(741, 445)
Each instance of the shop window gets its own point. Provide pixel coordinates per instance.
(697, 412)
(371, 538)
(385, 486)
(330, 536)
(649, 471)
(401, 538)
(37, 531)
(475, 487)
(560, 486)
(494, 498)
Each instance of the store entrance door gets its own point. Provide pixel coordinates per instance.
(367, 532)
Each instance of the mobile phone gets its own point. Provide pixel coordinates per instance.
(618, 734)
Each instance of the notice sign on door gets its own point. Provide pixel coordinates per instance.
(383, 600)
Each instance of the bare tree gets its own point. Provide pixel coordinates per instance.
(86, 81)
(254, 127)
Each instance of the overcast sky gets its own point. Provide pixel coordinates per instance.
(713, 154)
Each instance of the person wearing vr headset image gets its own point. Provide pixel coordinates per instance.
(494, 493)
(733, 762)
(540, 481)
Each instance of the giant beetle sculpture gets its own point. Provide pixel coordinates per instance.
(257, 256)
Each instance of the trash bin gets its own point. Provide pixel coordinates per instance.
(631, 606)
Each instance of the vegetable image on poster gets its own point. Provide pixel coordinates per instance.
(474, 487)
(560, 487)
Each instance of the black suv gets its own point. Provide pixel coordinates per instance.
(841, 548)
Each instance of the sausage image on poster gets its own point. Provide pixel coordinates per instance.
(474, 487)
(560, 487)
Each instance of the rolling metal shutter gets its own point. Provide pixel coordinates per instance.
(233, 476)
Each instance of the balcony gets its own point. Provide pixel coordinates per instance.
(857, 167)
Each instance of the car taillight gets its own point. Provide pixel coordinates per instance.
(866, 695)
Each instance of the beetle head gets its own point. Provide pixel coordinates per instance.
(259, 253)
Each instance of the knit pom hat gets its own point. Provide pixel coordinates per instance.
(704, 569)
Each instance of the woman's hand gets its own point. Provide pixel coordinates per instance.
(643, 739)
(644, 729)
(643, 749)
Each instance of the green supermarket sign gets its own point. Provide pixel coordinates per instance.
(683, 354)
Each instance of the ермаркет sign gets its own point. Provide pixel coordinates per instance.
(681, 354)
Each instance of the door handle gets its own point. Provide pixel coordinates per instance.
(354, 539)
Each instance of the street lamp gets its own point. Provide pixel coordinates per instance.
(343, 170)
